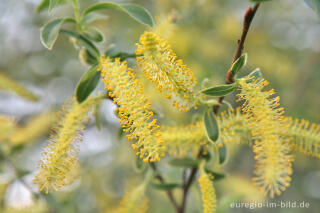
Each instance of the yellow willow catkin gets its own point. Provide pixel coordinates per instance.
(7, 83)
(134, 109)
(7, 128)
(160, 65)
(179, 140)
(35, 128)
(59, 163)
(304, 136)
(273, 160)
(134, 201)
(207, 191)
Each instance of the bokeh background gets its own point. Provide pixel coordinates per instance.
(283, 41)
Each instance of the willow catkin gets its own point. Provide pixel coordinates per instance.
(272, 150)
(161, 66)
(134, 109)
(209, 201)
(59, 163)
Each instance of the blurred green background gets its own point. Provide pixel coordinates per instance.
(283, 41)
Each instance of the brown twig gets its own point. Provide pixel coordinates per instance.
(169, 192)
(246, 25)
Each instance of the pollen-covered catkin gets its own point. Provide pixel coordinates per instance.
(304, 136)
(207, 191)
(59, 163)
(272, 150)
(134, 109)
(161, 66)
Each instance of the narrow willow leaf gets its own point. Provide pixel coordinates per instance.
(220, 90)
(50, 31)
(87, 84)
(256, 74)
(94, 35)
(214, 175)
(165, 186)
(44, 5)
(222, 154)
(315, 5)
(211, 125)
(136, 12)
(238, 64)
(93, 50)
(183, 162)
(53, 4)
(93, 17)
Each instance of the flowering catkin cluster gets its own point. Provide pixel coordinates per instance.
(207, 191)
(161, 66)
(59, 163)
(134, 109)
(265, 119)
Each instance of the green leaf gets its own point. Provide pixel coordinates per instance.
(256, 74)
(44, 5)
(140, 165)
(315, 5)
(136, 12)
(93, 17)
(50, 31)
(87, 84)
(238, 64)
(94, 35)
(211, 125)
(220, 90)
(53, 4)
(216, 176)
(222, 154)
(259, 0)
(183, 162)
(86, 58)
(93, 50)
(165, 186)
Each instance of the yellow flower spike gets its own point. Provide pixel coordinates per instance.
(207, 191)
(7, 128)
(59, 164)
(134, 201)
(272, 150)
(36, 127)
(134, 108)
(7, 83)
(304, 137)
(161, 67)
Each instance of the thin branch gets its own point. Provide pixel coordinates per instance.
(169, 192)
(248, 17)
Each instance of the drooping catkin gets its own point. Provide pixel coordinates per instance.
(7, 83)
(304, 136)
(59, 163)
(134, 201)
(161, 66)
(207, 191)
(134, 109)
(272, 150)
